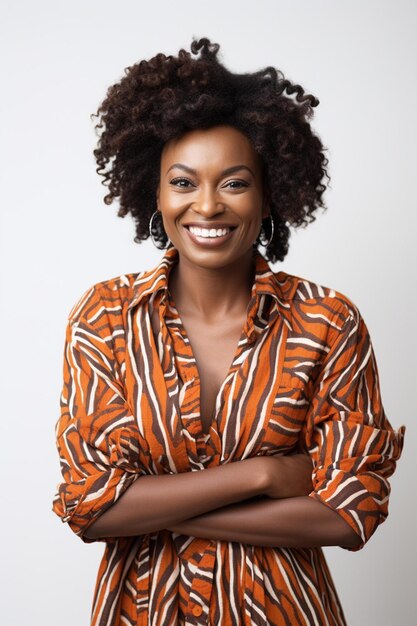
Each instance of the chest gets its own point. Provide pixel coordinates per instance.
(213, 346)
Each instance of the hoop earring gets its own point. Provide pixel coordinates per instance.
(264, 243)
(154, 241)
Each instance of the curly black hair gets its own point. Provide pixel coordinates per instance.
(165, 96)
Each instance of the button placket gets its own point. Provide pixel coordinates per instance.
(188, 395)
(197, 441)
(199, 602)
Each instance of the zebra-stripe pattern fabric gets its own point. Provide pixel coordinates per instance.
(303, 377)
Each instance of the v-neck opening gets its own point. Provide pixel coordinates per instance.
(175, 316)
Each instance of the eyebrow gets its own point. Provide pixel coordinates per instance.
(229, 170)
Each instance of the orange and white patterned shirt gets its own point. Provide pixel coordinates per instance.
(303, 378)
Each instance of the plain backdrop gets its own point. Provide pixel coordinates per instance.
(58, 238)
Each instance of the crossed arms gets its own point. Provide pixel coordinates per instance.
(231, 502)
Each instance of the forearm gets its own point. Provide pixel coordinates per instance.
(152, 503)
(299, 522)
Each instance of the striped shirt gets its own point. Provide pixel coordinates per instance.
(303, 378)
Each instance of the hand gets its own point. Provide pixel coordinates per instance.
(289, 476)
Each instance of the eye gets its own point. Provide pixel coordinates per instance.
(175, 182)
(240, 183)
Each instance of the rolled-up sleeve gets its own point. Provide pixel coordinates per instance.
(96, 434)
(352, 444)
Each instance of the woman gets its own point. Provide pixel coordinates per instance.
(212, 361)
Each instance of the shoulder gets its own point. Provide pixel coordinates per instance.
(316, 301)
(106, 296)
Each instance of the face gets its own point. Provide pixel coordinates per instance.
(211, 178)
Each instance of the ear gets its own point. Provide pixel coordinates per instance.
(157, 198)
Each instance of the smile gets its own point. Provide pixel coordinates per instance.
(209, 232)
(209, 237)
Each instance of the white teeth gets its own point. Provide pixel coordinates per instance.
(209, 232)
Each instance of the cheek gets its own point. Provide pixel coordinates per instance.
(171, 206)
(251, 214)
(250, 204)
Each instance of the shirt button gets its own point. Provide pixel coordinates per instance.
(197, 610)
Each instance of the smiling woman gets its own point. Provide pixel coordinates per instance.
(161, 99)
(220, 421)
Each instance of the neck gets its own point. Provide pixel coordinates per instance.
(212, 293)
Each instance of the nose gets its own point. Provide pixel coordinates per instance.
(208, 204)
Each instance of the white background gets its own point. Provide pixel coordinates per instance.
(58, 238)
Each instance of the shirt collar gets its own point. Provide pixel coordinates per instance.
(266, 281)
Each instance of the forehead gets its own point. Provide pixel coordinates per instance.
(217, 144)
